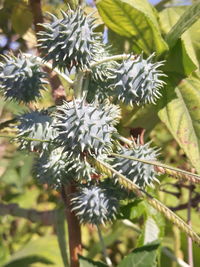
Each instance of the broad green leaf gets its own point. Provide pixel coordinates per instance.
(151, 230)
(154, 226)
(133, 19)
(190, 37)
(178, 61)
(133, 210)
(141, 257)
(28, 261)
(118, 229)
(43, 250)
(21, 18)
(180, 112)
(85, 262)
(191, 15)
(145, 117)
(60, 231)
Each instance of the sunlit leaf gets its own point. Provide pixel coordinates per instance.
(141, 257)
(133, 19)
(181, 114)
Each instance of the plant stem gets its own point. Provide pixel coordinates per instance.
(43, 217)
(78, 84)
(73, 226)
(49, 65)
(107, 259)
(113, 58)
(189, 240)
(24, 138)
(169, 254)
(123, 139)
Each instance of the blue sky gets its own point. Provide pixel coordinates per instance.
(154, 2)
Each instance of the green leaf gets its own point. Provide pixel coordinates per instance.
(151, 231)
(42, 250)
(191, 15)
(85, 262)
(191, 37)
(178, 61)
(133, 210)
(141, 257)
(21, 18)
(181, 114)
(145, 117)
(136, 20)
(60, 231)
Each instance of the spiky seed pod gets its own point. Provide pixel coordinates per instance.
(99, 85)
(35, 125)
(70, 41)
(80, 169)
(138, 81)
(85, 127)
(95, 205)
(51, 168)
(21, 78)
(114, 111)
(140, 173)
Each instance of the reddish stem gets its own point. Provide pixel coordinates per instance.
(73, 226)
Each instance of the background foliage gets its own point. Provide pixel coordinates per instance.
(27, 237)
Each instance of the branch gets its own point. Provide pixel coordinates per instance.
(113, 58)
(193, 202)
(43, 217)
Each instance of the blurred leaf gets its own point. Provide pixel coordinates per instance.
(181, 114)
(190, 38)
(141, 257)
(28, 261)
(151, 231)
(133, 210)
(42, 250)
(60, 231)
(154, 226)
(21, 18)
(136, 20)
(118, 42)
(116, 231)
(18, 171)
(191, 15)
(85, 262)
(145, 117)
(178, 61)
